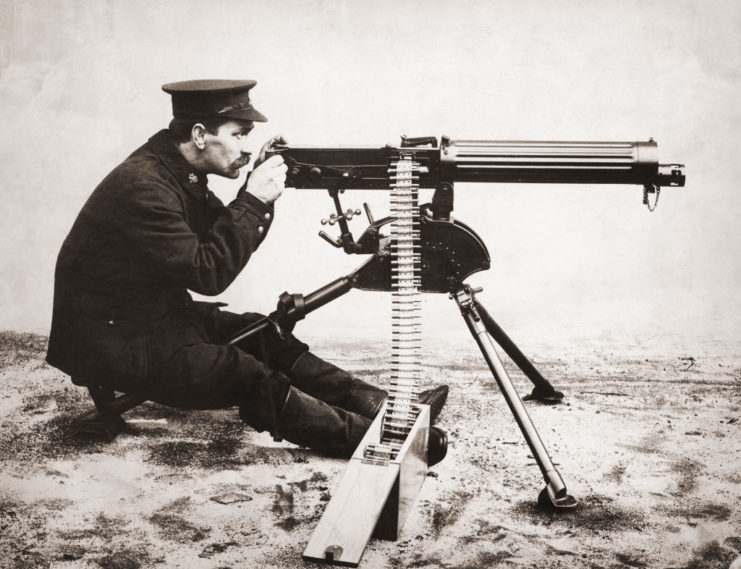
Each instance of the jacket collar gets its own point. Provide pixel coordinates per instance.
(195, 183)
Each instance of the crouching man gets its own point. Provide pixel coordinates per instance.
(152, 231)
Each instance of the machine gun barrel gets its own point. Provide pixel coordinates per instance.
(483, 161)
(558, 162)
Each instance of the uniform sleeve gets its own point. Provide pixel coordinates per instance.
(153, 221)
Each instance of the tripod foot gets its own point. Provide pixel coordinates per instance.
(549, 396)
(554, 503)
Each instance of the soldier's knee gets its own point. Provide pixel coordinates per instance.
(261, 403)
(251, 317)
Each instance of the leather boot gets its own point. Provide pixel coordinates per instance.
(335, 386)
(437, 445)
(308, 421)
(272, 404)
(365, 399)
(435, 398)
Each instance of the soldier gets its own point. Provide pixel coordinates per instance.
(151, 231)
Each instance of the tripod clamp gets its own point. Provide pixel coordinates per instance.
(465, 297)
(291, 308)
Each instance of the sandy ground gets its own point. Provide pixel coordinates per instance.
(649, 446)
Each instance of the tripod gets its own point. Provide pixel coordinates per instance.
(483, 328)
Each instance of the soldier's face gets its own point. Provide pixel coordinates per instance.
(226, 151)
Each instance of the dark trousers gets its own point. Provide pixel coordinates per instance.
(194, 368)
(276, 382)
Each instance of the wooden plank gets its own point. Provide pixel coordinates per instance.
(371, 499)
(348, 520)
(352, 513)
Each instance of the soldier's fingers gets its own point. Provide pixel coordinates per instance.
(274, 160)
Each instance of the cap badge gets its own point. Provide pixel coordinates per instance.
(192, 178)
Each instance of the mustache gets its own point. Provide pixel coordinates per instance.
(243, 161)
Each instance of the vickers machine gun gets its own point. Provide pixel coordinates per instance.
(428, 251)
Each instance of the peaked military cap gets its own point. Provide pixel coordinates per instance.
(213, 98)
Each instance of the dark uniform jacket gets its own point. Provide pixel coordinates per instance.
(149, 232)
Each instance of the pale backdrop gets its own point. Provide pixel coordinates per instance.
(80, 89)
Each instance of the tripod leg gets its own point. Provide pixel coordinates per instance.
(543, 390)
(555, 492)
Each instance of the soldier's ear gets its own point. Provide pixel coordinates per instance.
(198, 135)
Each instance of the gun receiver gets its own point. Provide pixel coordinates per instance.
(484, 161)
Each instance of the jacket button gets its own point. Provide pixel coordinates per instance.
(267, 216)
(261, 230)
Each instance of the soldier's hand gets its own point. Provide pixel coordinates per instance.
(276, 142)
(268, 180)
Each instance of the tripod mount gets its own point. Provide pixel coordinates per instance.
(450, 252)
